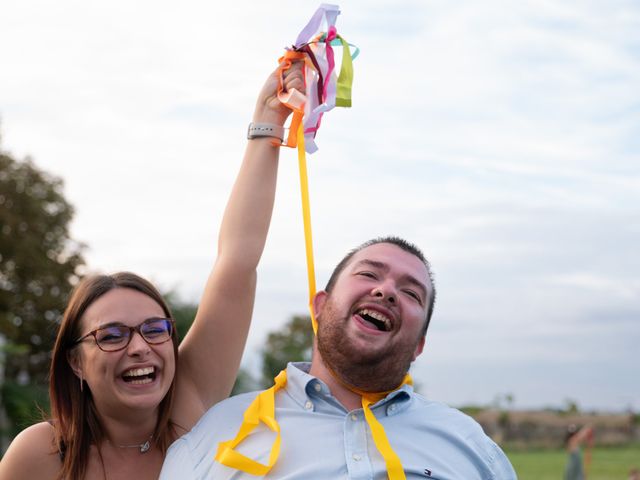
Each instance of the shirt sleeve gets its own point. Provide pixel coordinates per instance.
(501, 467)
(178, 462)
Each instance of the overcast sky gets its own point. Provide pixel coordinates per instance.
(501, 137)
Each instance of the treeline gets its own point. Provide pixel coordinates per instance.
(548, 428)
(39, 264)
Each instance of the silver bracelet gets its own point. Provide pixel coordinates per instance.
(258, 130)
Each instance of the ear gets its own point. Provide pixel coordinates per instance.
(319, 301)
(75, 362)
(419, 348)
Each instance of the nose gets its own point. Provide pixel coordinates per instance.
(386, 292)
(137, 345)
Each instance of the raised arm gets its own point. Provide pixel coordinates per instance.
(210, 354)
(583, 435)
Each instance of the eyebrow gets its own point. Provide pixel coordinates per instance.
(110, 324)
(383, 266)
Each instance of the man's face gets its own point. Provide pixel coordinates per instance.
(370, 326)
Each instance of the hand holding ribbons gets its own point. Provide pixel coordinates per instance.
(324, 89)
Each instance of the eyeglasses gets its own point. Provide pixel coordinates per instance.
(112, 338)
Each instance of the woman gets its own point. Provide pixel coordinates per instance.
(121, 389)
(575, 468)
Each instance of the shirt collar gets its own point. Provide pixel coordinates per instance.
(304, 387)
(300, 384)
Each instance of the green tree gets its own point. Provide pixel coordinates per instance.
(183, 312)
(39, 264)
(291, 344)
(244, 383)
(571, 406)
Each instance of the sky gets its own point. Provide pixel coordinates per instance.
(503, 138)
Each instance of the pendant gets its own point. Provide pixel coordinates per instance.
(144, 448)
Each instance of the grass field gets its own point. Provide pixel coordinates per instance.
(606, 463)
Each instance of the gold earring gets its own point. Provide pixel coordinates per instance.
(81, 382)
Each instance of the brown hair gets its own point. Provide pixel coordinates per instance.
(74, 416)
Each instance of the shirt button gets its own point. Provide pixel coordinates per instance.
(317, 387)
(354, 417)
(357, 457)
(308, 405)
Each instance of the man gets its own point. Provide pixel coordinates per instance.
(372, 320)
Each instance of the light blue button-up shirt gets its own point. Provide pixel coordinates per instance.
(321, 440)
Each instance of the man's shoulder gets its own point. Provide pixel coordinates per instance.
(434, 407)
(219, 423)
(226, 409)
(438, 413)
(436, 420)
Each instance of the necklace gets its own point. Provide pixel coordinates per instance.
(144, 447)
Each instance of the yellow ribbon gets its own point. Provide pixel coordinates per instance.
(306, 219)
(262, 409)
(345, 80)
(391, 459)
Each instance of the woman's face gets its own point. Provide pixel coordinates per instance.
(137, 377)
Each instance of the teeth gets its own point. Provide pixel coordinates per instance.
(378, 316)
(138, 372)
(141, 381)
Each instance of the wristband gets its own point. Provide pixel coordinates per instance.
(258, 130)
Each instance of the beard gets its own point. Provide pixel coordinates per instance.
(370, 370)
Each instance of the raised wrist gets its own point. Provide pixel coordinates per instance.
(264, 114)
(263, 129)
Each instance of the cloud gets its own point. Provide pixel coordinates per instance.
(500, 138)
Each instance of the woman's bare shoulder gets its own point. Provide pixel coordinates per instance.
(32, 454)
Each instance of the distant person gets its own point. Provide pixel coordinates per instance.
(121, 388)
(574, 440)
(372, 321)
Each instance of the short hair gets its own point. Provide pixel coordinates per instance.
(400, 243)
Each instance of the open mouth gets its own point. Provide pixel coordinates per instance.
(376, 319)
(139, 376)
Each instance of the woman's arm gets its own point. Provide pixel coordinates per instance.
(211, 352)
(582, 436)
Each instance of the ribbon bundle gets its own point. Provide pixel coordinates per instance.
(324, 91)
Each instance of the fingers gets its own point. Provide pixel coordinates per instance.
(269, 109)
(294, 77)
(295, 82)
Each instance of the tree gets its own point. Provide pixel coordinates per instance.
(244, 383)
(291, 344)
(183, 312)
(39, 264)
(571, 406)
